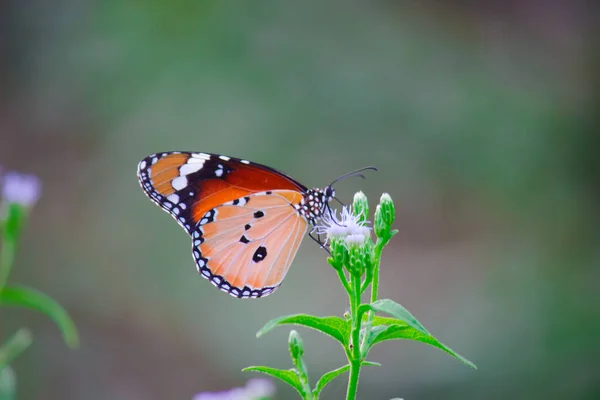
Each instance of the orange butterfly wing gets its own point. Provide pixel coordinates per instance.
(246, 220)
(246, 246)
(187, 184)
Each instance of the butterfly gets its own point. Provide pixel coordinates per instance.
(246, 220)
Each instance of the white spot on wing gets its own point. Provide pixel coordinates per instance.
(173, 198)
(219, 173)
(191, 167)
(245, 161)
(224, 158)
(179, 183)
(143, 165)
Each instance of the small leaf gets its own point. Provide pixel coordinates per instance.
(335, 327)
(402, 331)
(328, 377)
(396, 310)
(289, 376)
(30, 298)
(331, 375)
(14, 346)
(371, 364)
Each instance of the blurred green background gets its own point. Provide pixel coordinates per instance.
(480, 116)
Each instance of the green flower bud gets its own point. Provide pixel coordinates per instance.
(369, 254)
(356, 260)
(339, 253)
(384, 215)
(379, 226)
(360, 207)
(296, 345)
(388, 209)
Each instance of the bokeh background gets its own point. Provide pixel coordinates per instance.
(480, 116)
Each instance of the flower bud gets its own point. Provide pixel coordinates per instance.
(339, 253)
(388, 209)
(296, 345)
(356, 264)
(369, 250)
(384, 215)
(360, 207)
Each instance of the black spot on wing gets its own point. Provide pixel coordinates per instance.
(260, 254)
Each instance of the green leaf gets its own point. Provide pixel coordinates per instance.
(335, 327)
(328, 377)
(379, 320)
(289, 376)
(30, 298)
(403, 331)
(371, 364)
(396, 310)
(331, 375)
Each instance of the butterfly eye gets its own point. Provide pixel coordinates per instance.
(329, 193)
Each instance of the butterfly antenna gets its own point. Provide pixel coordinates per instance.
(339, 201)
(353, 173)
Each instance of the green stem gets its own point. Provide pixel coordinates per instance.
(355, 351)
(375, 282)
(344, 280)
(7, 256)
(374, 292)
(301, 371)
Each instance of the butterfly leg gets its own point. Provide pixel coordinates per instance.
(320, 242)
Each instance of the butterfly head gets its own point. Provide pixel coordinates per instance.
(314, 203)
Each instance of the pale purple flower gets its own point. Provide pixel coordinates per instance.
(255, 389)
(258, 388)
(20, 188)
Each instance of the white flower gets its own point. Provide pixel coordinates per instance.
(21, 189)
(347, 227)
(355, 240)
